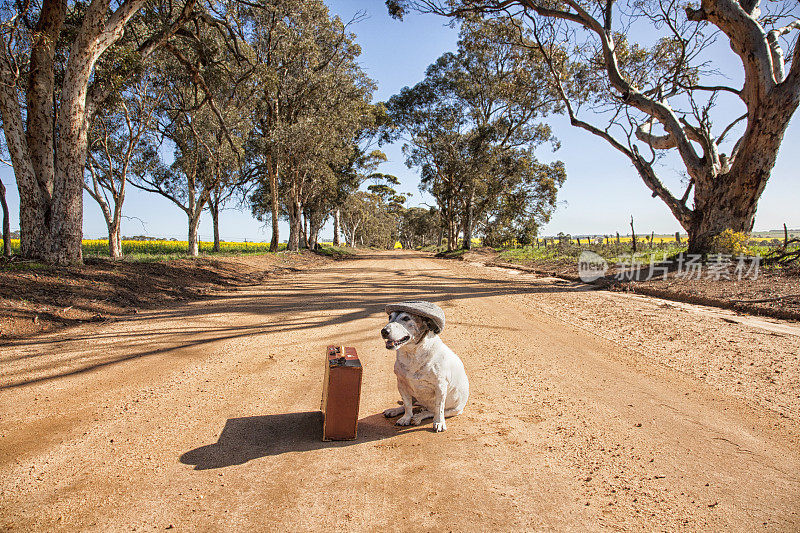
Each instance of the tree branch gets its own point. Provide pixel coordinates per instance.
(197, 78)
(747, 39)
(681, 212)
(729, 127)
(115, 25)
(686, 193)
(154, 188)
(158, 40)
(664, 142)
(776, 51)
(16, 143)
(712, 88)
(629, 94)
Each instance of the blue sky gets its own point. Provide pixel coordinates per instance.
(601, 193)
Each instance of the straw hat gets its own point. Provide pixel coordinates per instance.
(420, 308)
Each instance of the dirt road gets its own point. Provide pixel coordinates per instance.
(203, 417)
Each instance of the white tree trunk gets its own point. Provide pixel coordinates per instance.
(336, 224)
(194, 245)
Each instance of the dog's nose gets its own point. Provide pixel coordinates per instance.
(385, 332)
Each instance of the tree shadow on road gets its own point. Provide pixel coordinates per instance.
(309, 300)
(253, 437)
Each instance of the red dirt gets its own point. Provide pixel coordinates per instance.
(739, 295)
(36, 298)
(589, 410)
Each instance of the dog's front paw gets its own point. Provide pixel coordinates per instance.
(419, 417)
(394, 411)
(439, 426)
(404, 421)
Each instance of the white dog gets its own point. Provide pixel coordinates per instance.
(428, 373)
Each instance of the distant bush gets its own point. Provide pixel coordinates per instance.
(732, 242)
(335, 252)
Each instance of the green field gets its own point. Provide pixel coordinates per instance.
(569, 250)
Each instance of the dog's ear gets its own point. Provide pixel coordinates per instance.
(429, 325)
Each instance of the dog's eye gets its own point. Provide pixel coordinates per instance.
(406, 318)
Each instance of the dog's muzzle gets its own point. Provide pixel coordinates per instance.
(391, 343)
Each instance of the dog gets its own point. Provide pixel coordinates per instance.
(429, 374)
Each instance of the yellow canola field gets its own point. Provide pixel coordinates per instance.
(162, 247)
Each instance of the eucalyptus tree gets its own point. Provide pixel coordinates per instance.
(52, 81)
(525, 201)
(624, 69)
(474, 108)
(502, 89)
(120, 136)
(313, 99)
(184, 182)
(434, 131)
(224, 174)
(368, 221)
(327, 120)
(333, 184)
(362, 161)
(221, 194)
(6, 235)
(419, 227)
(197, 176)
(207, 140)
(382, 186)
(351, 172)
(272, 40)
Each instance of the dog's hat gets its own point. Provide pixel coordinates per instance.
(420, 308)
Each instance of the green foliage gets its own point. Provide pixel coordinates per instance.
(419, 227)
(451, 254)
(369, 221)
(335, 252)
(388, 194)
(312, 116)
(568, 251)
(525, 203)
(471, 128)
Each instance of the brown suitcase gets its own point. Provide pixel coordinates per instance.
(341, 393)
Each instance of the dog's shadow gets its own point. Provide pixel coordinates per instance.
(247, 438)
